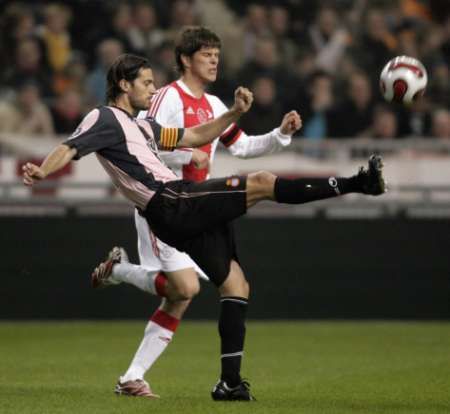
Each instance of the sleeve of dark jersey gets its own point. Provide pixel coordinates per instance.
(96, 131)
(231, 135)
(166, 138)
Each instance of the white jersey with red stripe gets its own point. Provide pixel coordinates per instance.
(175, 105)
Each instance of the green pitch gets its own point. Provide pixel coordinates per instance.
(294, 367)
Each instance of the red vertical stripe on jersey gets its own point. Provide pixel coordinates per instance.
(156, 101)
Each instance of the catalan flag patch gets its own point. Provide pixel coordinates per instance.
(169, 139)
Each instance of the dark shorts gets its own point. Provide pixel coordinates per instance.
(196, 218)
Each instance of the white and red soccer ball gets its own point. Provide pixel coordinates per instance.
(403, 80)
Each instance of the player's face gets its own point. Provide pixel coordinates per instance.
(142, 90)
(204, 62)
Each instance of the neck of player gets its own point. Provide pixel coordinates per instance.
(196, 85)
(123, 102)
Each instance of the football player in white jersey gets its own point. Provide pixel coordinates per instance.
(164, 270)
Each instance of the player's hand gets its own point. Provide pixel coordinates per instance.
(32, 173)
(243, 99)
(291, 123)
(200, 159)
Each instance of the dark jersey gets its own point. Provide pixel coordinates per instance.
(127, 148)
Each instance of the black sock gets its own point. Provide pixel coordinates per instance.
(232, 334)
(304, 190)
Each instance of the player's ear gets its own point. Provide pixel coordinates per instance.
(124, 85)
(186, 61)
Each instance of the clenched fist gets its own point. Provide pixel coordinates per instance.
(243, 99)
(291, 123)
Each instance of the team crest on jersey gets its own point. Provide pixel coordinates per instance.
(201, 115)
(232, 182)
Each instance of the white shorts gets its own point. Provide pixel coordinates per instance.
(159, 256)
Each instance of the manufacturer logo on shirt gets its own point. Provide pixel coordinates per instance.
(190, 111)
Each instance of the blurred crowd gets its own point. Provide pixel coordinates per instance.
(322, 58)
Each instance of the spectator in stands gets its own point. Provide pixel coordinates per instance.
(439, 84)
(384, 124)
(67, 112)
(255, 26)
(73, 76)
(107, 51)
(29, 65)
(279, 23)
(240, 40)
(120, 26)
(26, 114)
(376, 44)
(16, 24)
(266, 109)
(163, 59)
(266, 62)
(55, 35)
(329, 39)
(145, 36)
(358, 105)
(407, 43)
(182, 13)
(317, 103)
(414, 120)
(440, 124)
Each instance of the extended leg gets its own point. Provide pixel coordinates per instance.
(266, 186)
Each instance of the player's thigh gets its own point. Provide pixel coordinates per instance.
(235, 284)
(149, 256)
(155, 254)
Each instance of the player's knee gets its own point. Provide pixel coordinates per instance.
(235, 286)
(263, 179)
(187, 289)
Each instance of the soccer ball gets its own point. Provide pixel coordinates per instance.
(403, 80)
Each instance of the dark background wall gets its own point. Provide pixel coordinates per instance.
(298, 268)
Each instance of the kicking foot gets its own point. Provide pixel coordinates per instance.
(101, 276)
(134, 388)
(371, 179)
(241, 392)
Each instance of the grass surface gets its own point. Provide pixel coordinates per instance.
(294, 367)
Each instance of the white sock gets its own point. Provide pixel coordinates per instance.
(138, 276)
(155, 341)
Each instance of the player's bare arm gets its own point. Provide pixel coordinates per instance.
(54, 161)
(207, 132)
